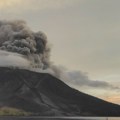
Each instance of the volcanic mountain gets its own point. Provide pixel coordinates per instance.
(44, 95)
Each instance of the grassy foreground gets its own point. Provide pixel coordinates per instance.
(7, 111)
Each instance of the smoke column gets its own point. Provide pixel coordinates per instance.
(22, 47)
(17, 37)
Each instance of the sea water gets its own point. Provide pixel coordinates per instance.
(57, 118)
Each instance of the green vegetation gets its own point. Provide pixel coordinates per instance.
(7, 111)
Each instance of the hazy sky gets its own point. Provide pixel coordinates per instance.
(84, 35)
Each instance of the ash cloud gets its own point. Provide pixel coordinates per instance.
(16, 36)
(81, 79)
(27, 48)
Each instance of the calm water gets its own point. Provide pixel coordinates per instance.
(59, 118)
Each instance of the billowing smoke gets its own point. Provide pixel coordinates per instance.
(16, 36)
(27, 48)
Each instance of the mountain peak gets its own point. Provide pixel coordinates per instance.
(43, 94)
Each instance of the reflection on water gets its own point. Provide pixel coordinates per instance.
(58, 118)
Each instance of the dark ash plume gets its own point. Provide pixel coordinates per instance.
(16, 36)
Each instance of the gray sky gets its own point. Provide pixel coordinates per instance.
(84, 34)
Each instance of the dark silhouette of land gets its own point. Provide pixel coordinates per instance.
(44, 95)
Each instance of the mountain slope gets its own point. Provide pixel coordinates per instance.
(43, 94)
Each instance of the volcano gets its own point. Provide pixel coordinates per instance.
(44, 95)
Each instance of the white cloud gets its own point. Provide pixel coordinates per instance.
(8, 59)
